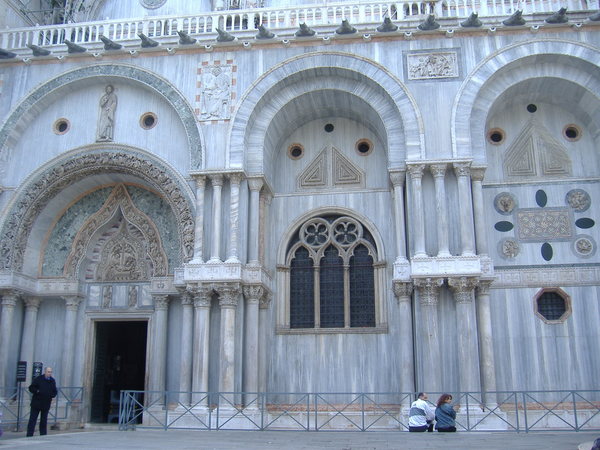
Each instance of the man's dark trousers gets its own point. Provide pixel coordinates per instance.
(33, 416)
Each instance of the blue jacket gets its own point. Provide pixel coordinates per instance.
(444, 416)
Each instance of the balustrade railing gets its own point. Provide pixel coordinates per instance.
(490, 411)
(280, 20)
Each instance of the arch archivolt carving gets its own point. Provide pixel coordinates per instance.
(51, 179)
(469, 101)
(123, 254)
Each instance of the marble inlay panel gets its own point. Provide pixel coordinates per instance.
(540, 225)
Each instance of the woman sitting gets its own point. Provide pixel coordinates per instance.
(445, 414)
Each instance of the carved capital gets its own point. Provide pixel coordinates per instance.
(9, 298)
(463, 288)
(161, 301)
(253, 293)
(255, 184)
(438, 170)
(477, 173)
(201, 294)
(235, 178)
(186, 297)
(32, 303)
(483, 288)
(72, 302)
(200, 181)
(429, 290)
(216, 179)
(462, 169)
(397, 177)
(265, 300)
(228, 295)
(415, 170)
(403, 291)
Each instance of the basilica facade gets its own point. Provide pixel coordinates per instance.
(289, 197)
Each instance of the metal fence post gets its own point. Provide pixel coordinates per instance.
(575, 411)
(525, 411)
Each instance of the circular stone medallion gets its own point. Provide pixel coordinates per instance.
(578, 199)
(152, 4)
(584, 246)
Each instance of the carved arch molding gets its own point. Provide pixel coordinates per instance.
(38, 193)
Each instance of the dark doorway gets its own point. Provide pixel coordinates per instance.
(119, 364)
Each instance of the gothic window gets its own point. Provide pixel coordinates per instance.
(552, 305)
(333, 270)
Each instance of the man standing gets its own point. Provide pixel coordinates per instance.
(44, 390)
(420, 417)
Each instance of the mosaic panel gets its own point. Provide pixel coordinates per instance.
(540, 225)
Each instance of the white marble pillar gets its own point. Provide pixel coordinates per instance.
(255, 185)
(265, 201)
(70, 327)
(234, 217)
(157, 378)
(418, 216)
(215, 248)
(9, 301)
(253, 294)
(463, 174)
(486, 342)
(477, 174)
(263, 330)
(397, 178)
(228, 301)
(429, 291)
(202, 299)
(403, 293)
(439, 176)
(187, 324)
(199, 225)
(32, 306)
(466, 325)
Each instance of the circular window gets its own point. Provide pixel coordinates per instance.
(572, 132)
(552, 305)
(329, 127)
(148, 120)
(531, 108)
(295, 151)
(496, 136)
(61, 126)
(364, 147)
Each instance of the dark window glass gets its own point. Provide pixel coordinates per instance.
(332, 289)
(362, 289)
(302, 302)
(551, 306)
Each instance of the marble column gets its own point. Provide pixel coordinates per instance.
(215, 248)
(234, 217)
(486, 342)
(418, 216)
(263, 330)
(429, 291)
(466, 325)
(202, 299)
(9, 301)
(477, 174)
(397, 178)
(253, 294)
(403, 293)
(463, 174)
(228, 301)
(157, 377)
(439, 176)
(70, 327)
(265, 202)
(187, 324)
(199, 226)
(32, 306)
(255, 185)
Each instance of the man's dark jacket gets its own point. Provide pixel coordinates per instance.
(43, 390)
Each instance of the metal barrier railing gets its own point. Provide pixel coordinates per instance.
(490, 411)
(14, 405)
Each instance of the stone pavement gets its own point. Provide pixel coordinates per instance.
(266, 440)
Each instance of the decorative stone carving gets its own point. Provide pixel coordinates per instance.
(72, 302)
(429, 289)
(228, 295)
(152, 4)
(578, 199)
(423, 66)
(584, 246)
(509, 248)
(160, 301)
(132, 296)
(552, 277)
(541, 225)
(107, 292)
(266, 300)
(39, 192)
(415, 170)
(344, 171)
(253, 293)
(315, 175)
(305, 31)
(32, 303)
(215, 96)
(9, 298)
(201, 293)
(402, 290)
(397, 177)
(462, 169)
(463, 288)
(106, 121)
(505, 203)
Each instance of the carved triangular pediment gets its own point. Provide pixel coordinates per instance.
(344, 171)
(315, 175)
(553, 157)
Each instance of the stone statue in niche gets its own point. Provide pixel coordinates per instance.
(132, 294)
(106, 122)
(214, 103)
(107, 296)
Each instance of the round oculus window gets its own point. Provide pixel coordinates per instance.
(61, 126)
(295, 151)
(148, 120)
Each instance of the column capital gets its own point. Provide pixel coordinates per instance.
(265, 300)
(403, 291)
(161, 301)
(477, 173)
(463, 288)
(429, 288)
(201, 294)
(228, 295)
(216, 179)
(255, 183)
(10, 297)
(253, 293)
(186, 296)
(415, 170)
(462, 169)
(200, 180)
(397, 176)
(483, 288)
(235, 177)
(72, 302)
(32, 303)
(266, 197)
(438, 170)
